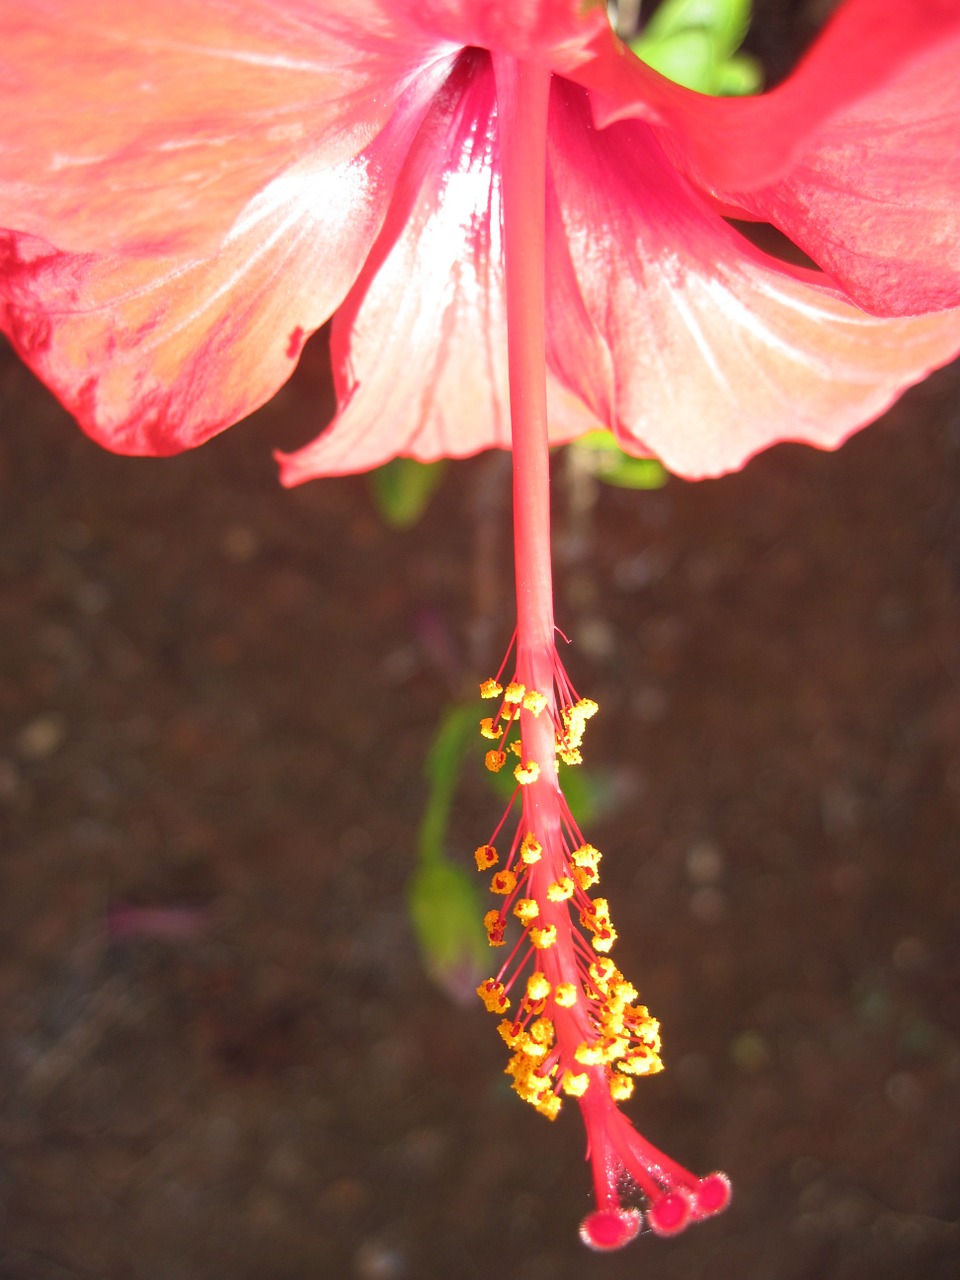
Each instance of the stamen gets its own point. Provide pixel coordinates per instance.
(579, 1030)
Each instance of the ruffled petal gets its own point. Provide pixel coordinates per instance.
(856, 156)
(874, 196)
(742, 144)
(141, 127)
(420, 346)
(155, 355)
(713, 350)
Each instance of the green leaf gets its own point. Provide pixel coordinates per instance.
(457, 730)
(689, 58)
(726, 21)
(608, 462)
(445, 905)
(740, 76)
(446, 910)
(695, 43)
(402, 488)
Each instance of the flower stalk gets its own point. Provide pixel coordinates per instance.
(576, 1029)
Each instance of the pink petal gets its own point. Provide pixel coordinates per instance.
(741, 144)
(155, 355)
(557, 33)
(874, 196)
(713, 350)
(142, 127)
(856, 156)
(419, 347)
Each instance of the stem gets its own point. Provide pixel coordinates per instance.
(523, 93)
(522, 100)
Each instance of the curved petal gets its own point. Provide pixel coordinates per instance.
(420, 347)
(154, 355)
(874, 195)
(856, 156)
(741, 144)
(557, 33)
(713, 350)
(145, 127)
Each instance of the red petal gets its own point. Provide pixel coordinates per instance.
(419, 347)
(740, 144)
(142, 127)
(558, 33)
(874, 196)
(156, 355)
(856, 156)
(714, 351)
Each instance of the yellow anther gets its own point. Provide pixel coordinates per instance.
(534, 701)
(486, 856)
(565, 994)
(604, 939)
(622, 994)
(494, 996)
(529, 1054)
(491, 689)
(516, 746)
(535, 1050)
(584, 877)
(543, 939)
(549, 1106)
(528, 1077)
(575, 718)
(531, 850)
(527, 910)
(603, 971)
(542, 1031)
(614, 1047)
(560, 890)
(495, 926)
(575, 1085)
(495, 760)
(487, 730)
(595, 916)
(641, 1062)
(538, 987)
(510, 1032)
(570, 733)
(533, 1087)
(589, 1055)
(513, 694)
(527, 772)
(639, 1024)
(621, 1087)
(503, 882)
(587, 855)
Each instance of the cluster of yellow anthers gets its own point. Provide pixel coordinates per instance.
(569, 727)
(566, 1037)
(622, 1040)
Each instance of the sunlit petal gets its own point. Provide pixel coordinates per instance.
(695, 345)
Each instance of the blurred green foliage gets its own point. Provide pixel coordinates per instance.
(402, 488)
(446, 908)
(695, 43)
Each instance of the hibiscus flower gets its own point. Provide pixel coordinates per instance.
(521, 232)
(191, 189)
